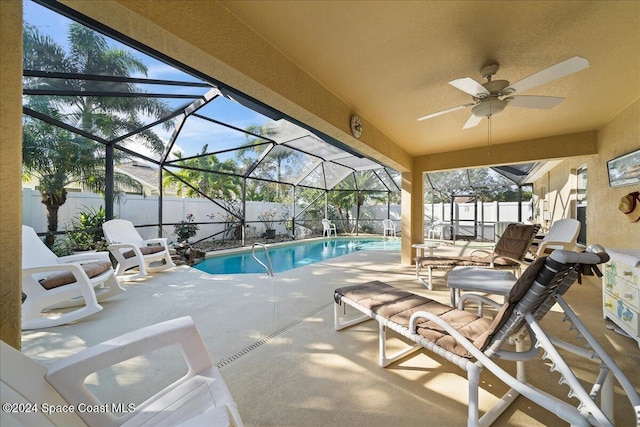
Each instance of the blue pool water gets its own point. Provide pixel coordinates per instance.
(286, 257)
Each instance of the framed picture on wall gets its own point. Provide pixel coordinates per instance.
(624, 170)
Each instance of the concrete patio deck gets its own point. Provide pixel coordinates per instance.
(285, 365)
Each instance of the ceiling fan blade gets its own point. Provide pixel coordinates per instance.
(564, 68)
(535, 101)
(448, 110)
(470, 86)
(472, 122)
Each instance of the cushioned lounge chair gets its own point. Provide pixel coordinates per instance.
(474, 343)
(52, 282)
(130, 250)
(508, 254)
(199, 398)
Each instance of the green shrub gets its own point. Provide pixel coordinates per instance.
(186, 229)
(85, 232)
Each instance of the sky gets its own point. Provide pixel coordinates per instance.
(199, 132)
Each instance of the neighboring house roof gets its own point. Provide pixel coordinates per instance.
(145, 174)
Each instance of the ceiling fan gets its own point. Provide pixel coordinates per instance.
(493, 96)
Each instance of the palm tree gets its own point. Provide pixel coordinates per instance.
(192, 181)
(343, 200)
(58, 157)
(272, 166)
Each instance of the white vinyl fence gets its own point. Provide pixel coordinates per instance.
(144, 210)
(483, 220)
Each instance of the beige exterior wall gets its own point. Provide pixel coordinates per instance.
(10, 169)
(606, 225)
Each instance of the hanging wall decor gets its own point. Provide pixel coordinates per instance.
(624, 170)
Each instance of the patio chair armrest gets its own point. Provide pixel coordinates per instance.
(74, 268)
(86, 257)
(181, 331)
(67, 376)
(161, 240)
(471, 297)
(116, 246)
(558, 245)
(33, 288)
(507, 258)
(483, 251)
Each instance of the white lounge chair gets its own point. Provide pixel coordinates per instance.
(50, 282)
(131, 250)
(474, 343)
(328, 227)
(388, 226)
(199, 398)
(563, 234)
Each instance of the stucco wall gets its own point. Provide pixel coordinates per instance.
(606, 225)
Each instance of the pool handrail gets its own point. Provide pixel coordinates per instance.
(268, 269)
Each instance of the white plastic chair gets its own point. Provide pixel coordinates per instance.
(49, 281)
(436, 230)
(131, 250)
(388, 226)
(200, 397)
(328, 227)
(563, 234)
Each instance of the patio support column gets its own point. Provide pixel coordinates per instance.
(519, 203)
(243, 222)
(160, 203)
(11, 171)
(388, 205)
(412, 203)
(293, 213)
(108, 185)
(326, 204)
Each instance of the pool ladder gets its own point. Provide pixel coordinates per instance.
(269, 268)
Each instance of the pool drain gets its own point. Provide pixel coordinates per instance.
(257, 344)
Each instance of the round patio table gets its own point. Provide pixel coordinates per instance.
(426, 245)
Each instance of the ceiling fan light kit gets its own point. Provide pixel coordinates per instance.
(489, 107)
(493, 96)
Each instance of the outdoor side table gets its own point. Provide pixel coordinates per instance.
(498, 282)
(426, 245)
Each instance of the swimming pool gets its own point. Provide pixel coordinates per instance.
(287, 257)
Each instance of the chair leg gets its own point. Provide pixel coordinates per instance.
(473, 377)
(111, 287)
(169, 261)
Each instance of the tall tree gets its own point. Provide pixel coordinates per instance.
(277, 163)
(56, 156)
(191, 181)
